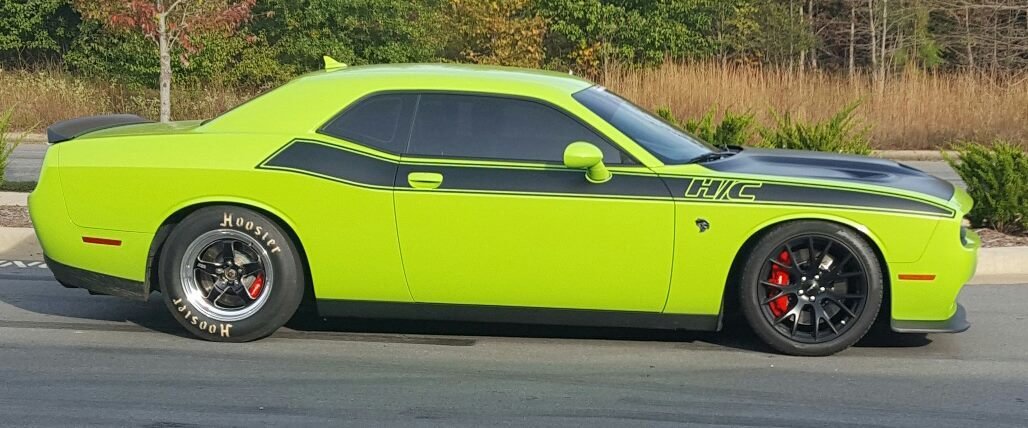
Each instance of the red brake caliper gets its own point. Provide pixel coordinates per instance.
(258, 284)
(779, 277)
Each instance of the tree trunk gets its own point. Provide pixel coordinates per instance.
(853, 40)
(967, 29)
(803, 51)
(874, 40)
(814, 32)
(165, 79)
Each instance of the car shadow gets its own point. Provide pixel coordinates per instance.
(42, 295)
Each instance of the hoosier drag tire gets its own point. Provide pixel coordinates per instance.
(230, 274)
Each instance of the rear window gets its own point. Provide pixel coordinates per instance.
(380, 121)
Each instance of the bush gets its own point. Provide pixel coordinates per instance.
(997, 179)
(734, 129)
(841, 133)
(6, 147)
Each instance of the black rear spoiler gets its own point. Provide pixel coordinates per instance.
(69, 129)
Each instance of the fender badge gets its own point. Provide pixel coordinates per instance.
(702, 224)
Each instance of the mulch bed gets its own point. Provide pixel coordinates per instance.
(14, 216)
(992, 238)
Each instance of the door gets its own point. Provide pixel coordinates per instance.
(488, 215)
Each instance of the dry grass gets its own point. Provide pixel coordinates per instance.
(43, 97)
(915, 110)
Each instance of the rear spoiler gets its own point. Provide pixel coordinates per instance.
(69, 129)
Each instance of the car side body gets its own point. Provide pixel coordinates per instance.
(393, 234)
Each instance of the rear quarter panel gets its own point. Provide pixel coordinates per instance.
(131, 185)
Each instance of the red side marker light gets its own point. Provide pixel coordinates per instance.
(916, 277)
(101, 241)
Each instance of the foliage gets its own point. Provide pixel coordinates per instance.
(17, 186)
(587, 34)
(35, 30)
(7, 147)
(183, 20)
(997, 179)
(841, 133)
(298, 33)
(734, 129)
(491, 32)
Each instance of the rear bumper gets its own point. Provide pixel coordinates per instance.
(955, 324)
(97, 283)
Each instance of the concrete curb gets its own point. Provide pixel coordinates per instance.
(14, 198)
(19, 243)
(29, 138)
(912, 155)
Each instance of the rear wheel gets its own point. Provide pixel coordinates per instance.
(230, 274)
(811, 288)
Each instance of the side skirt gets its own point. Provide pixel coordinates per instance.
(516, 315)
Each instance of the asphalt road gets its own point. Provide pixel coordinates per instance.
(67, 358)
(27, 159)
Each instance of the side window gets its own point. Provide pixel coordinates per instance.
(474, 126)
(381, 121)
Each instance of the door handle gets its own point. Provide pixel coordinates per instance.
(425, 180)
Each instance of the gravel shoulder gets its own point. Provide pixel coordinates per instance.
(14, 216)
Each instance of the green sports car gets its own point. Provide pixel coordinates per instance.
(493, 194)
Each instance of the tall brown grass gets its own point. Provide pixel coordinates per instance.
(913, 110)
(41, 98)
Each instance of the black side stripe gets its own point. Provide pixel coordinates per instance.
(765, 192)
(552, 181)
(333, 162)
(361, 169)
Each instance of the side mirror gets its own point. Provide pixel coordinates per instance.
(582, 155)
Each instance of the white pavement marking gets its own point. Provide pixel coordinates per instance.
(20, 264)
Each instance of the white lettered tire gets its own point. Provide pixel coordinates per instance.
(230, 274)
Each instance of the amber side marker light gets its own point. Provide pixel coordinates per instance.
(914, 277)
(101, 241)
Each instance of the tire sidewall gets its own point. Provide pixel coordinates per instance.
(750, 304)
(286, 290)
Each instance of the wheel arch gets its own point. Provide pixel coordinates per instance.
(176, 215)
(730, 298)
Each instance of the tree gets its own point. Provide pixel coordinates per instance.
(172, 25)
(503, 33)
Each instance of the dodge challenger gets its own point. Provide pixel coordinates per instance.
(493, 195)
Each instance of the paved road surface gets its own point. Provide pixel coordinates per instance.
(28, 158)
(25, 162)
(68, 358)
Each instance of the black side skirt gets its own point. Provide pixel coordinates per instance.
(516, 315)
(97, 283)
(955, 324)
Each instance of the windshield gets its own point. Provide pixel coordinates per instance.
(665, 141)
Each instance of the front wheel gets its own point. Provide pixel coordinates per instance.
(230, 274)
(811, 288)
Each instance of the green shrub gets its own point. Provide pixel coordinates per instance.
(734, 129)
(6, 147)
(997, 179)
(841, 133)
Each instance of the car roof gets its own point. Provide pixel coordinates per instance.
(307, 102)
(427, 74)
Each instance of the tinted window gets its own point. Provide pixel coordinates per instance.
(381, 121)
(665, 141)
(473, 126)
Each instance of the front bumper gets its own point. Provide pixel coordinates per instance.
(97, 283)
(955, 324)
